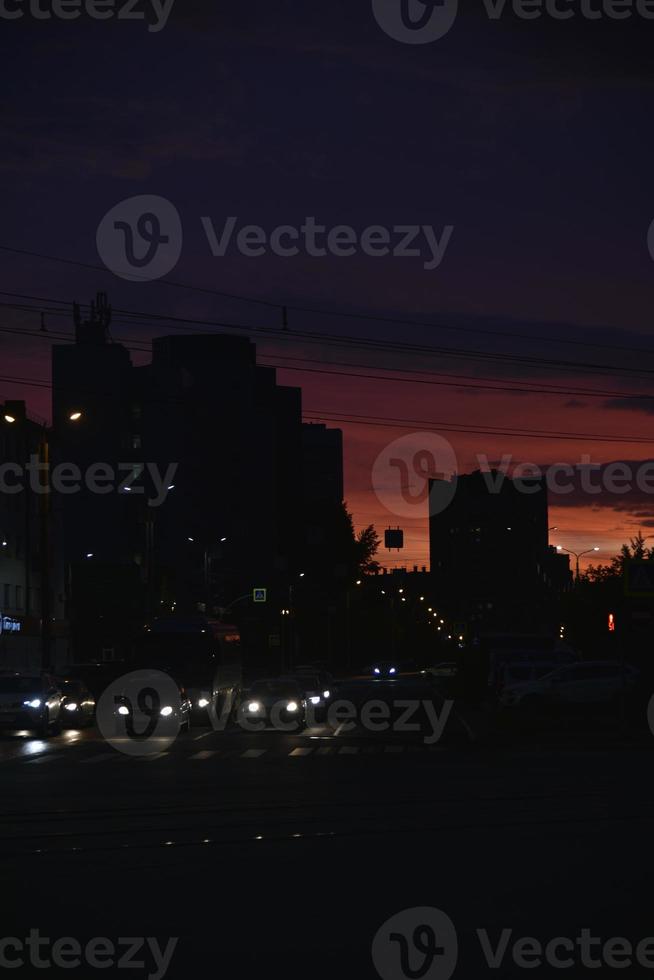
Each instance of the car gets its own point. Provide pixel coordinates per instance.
(383, 668)
(446, 669)
(30, 701)
(274, 700)
(316, 690)
(587, 683)
(171, 718)
(78, 707)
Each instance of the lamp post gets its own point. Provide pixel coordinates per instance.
(577, 556)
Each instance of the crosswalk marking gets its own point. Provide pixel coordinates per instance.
(234, 752)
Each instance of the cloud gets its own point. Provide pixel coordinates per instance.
(644, 405)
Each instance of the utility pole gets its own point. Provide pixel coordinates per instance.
(45, 552)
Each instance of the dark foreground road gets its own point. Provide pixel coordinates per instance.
(283, 855)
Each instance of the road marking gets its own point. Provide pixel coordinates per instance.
(325, 750)
(348, 750)
(196, 738)
(151, 758)
(394, 748)
(253, 753)
(42, 758)
(204, 755)
(300, 752)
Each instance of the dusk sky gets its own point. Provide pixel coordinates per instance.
(531, 139)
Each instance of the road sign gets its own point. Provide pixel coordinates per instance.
(639, 579)
(393, 538)
(260, 595)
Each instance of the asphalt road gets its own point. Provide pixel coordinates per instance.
(285, 854)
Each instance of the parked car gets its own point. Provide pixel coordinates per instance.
(274, 700)
(31, 701)
(593, 682)
(78, 704)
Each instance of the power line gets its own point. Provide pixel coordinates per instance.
(336, 340)
(316, 311)
(431, 425)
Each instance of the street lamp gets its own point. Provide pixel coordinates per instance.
(75, 416)
(577, 556)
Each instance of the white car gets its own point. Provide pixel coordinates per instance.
(592, 682)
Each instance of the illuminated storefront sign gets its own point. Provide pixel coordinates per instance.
(10, 625)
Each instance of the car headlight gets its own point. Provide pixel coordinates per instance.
(392, 670)
(166, 711)
(377, 670)
(314, 700)
(326, 694)
(292, 706)
(123, 709)
(71, 706)
(254, 706)
(36, 703)
(203, 703)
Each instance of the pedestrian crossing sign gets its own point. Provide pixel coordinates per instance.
(260, 595)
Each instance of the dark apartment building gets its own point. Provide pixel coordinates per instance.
(489, 551)
(30, 538)
(212, 448)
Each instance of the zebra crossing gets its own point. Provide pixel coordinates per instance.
(106, 754)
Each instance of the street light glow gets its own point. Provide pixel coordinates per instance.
(75, 416)
(10, 419)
